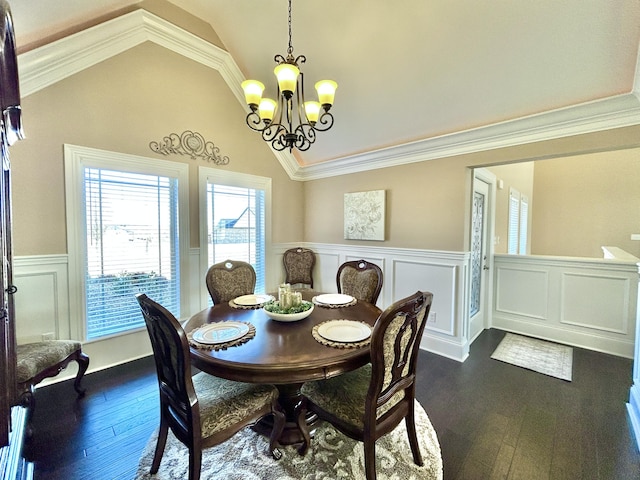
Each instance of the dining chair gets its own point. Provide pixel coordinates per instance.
(202, 410)
(360, 279)
(375, 398)
(230, 279)
(298, 266)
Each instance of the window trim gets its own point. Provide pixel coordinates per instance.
(235, 179)
(75, 159)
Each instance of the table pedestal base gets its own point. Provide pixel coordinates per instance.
(299, 424)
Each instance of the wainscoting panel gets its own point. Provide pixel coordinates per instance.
(42, 305)
(439, 280)
(512, 282)
(606, 309)
(589, 303)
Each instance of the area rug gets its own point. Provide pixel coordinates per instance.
(540, 356)
(332, 455)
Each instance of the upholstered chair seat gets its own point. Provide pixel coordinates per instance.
(350, 408)
(39, 360)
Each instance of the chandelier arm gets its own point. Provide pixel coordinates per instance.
(255, 122)
(324, 123)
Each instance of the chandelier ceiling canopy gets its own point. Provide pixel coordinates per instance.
(290, 121)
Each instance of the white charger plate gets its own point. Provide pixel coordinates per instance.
(334, 299)
(220, 332)
(344, 331)
(252, 299)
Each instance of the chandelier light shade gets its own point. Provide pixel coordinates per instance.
(289, 121)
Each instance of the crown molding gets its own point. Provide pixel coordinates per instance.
(606, 114)
(51, 63)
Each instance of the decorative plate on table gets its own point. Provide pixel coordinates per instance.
(334, 299)
(220, 332)
(345, 331)
(252, 300)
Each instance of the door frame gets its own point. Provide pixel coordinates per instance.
(484, 175)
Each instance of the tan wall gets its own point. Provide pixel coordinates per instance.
(121, 105)
(425, 205)
(585, 202)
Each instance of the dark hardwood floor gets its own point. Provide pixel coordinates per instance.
(494, 421)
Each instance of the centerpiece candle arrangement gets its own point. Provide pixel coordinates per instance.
(289, 306)
(287, 298)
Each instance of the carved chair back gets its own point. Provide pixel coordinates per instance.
(230, 279)
(298, 266)
(360, 279)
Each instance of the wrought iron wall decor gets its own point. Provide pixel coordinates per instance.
(192, 144)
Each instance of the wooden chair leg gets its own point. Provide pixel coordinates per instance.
(413, 437)
(195, 461)
(83, 364)
(370, 459)
(160, 444)
(28, 401)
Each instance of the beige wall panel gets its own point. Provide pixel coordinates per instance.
(585, 202)
(122, 105)
(425, 205)
(182, 19)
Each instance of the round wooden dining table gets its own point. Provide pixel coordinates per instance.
(284, 354)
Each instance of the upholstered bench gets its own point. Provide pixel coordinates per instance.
(40, 360)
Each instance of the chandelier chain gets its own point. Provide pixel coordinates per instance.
(290, 49)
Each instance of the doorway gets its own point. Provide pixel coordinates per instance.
(481, 245)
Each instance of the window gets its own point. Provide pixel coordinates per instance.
(236, 208)
(126, 215)
(518, 223)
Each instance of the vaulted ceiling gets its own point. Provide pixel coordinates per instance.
(421, 79)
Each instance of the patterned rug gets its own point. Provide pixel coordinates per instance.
(540, 356)
(331, 456)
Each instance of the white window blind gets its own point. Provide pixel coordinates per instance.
(524, 221)
(236, 227)
(514, 221)
(131, 226)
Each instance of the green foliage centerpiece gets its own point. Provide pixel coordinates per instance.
(275, 307)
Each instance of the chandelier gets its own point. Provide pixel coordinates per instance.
(275, 120)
